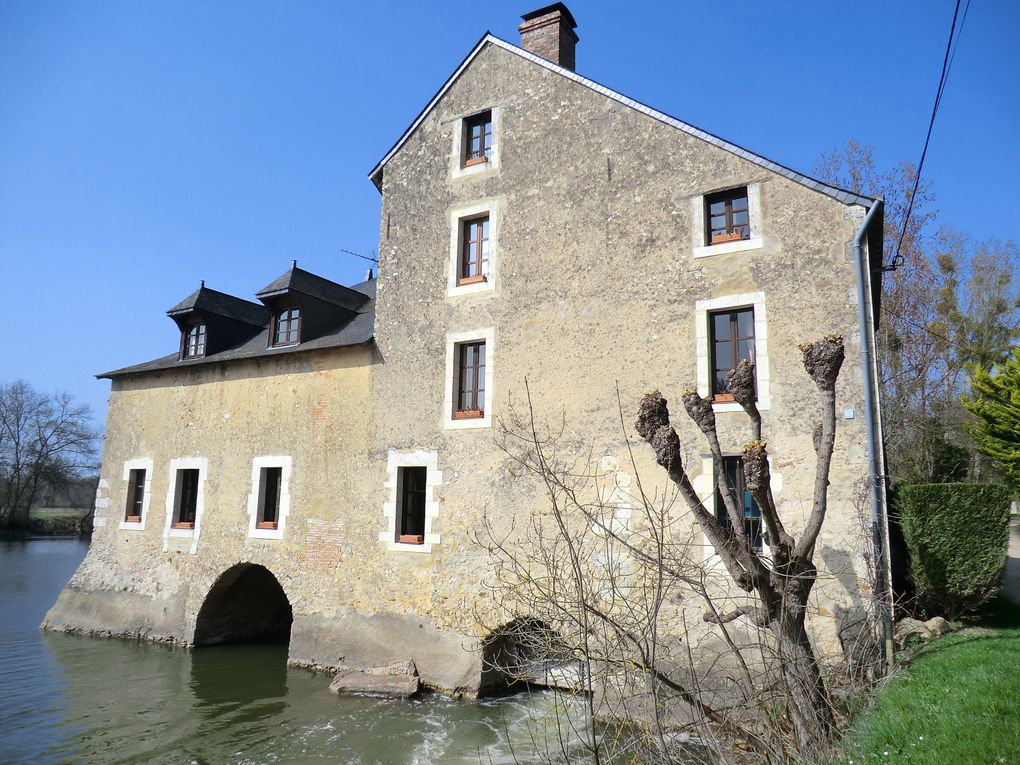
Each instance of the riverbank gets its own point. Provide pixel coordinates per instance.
(52, 522)
(955, 701)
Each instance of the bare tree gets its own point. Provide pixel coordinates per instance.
(611, 595)
(45, 441)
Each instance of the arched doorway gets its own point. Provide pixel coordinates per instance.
(246, 604)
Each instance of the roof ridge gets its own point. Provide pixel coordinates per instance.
(845, 196)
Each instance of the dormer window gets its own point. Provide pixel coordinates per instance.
(477, 138)
(287, 327)
(193, 342)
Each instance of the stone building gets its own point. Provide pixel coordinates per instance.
(320, 460)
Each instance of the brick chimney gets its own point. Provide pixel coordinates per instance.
(549, 33)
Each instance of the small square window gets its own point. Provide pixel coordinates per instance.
(734, 472)
(727, 216)
(732, 339)
(287, 327)
(186, 498)
(270, 482)
(470, 381)
(135, 497)
(474, 250)
(193, 342)
(411, 505)
(477, 139)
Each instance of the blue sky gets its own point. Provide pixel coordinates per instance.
(147, 145)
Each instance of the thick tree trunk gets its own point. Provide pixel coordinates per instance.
(810, 712)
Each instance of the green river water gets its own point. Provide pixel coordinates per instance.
(71, 699)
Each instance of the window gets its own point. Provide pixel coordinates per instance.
(734, 472)
(270, 480)
(287, 327)
(732, 340)
(194, 342)
(727, 216)
(135, 497)
(470, 381)
(477, 139)
(186, 498)
(411, 510)
(474, 250)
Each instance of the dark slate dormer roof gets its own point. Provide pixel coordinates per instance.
(841, 195)
(358, 331)
(206, 300)
(297, 280)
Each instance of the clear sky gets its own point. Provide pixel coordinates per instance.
(147, 145)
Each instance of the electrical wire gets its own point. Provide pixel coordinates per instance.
(947, 62)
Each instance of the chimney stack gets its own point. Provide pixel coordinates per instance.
(549, 33)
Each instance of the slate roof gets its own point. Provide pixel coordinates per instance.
(298, 280)
(358, 331)
(841, 195)
(222, 304)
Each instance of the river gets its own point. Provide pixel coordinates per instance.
(72, 699)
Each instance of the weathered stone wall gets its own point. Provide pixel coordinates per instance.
(595, 285)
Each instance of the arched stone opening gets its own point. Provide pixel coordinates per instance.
(246, 604)
(521, 652)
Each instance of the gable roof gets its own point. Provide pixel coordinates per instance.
(298, 280)
(840, 195)
(220, 303)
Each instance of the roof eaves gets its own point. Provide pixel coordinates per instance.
(841, 195)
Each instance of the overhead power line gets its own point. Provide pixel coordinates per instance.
(947, 63)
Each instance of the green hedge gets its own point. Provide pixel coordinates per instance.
(957, 534)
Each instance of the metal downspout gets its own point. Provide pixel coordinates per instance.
(873, 423)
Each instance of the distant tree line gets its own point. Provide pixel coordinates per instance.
(47, 445)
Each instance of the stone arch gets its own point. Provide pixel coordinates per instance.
(246, 603)
(520, 652)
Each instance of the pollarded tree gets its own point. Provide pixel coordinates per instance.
(994, 401)
(613, 592)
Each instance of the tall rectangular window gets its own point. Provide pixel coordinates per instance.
(734, 472)
(194, 342)
(287, 329)
(726, 216)
(411, 510)
(477, 138)
(270, 481)
(732, 340)
(186, 498)
(474, 250)
(135, 497)
(470, 380)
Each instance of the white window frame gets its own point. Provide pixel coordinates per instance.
(458, 215)
(453, 339)
(457, 170)
(698, 215)
(143, 463)
(702, 335)
(257, 465)
(201, 464)
(433, 478)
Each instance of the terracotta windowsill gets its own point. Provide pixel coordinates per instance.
(133, 519)
(472, 280)
(184, 525)
(476, 161)
(723, 398)
(469, 414)
(723, 238)
(411, 539)
(266, 525)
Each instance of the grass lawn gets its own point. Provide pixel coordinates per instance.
(957, 703)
